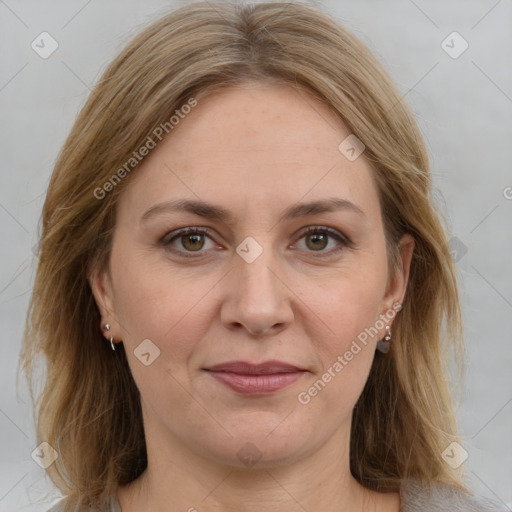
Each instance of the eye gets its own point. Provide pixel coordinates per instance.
(317, 238)
(188, 240)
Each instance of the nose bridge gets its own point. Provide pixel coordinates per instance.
(256, 268)
(258, 300)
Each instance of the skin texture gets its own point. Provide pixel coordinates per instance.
(254, 150)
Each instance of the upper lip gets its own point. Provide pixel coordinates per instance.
(246, 368)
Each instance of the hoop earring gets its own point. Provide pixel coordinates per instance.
(106, 327)
(383, 345)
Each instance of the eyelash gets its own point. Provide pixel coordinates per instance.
(167, 240)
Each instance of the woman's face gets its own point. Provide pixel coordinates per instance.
(259, 166)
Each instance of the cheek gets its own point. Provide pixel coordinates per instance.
(158, 303)
(346, 300)
(344, 360)
(343, 323)
(352, 310)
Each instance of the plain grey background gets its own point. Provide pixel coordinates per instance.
(463, 106)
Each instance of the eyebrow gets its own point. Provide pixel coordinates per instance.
(216, 212)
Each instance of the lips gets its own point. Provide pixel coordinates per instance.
(255, 379)
(244, 368)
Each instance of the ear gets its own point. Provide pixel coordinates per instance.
(101, 286)
(397, 282)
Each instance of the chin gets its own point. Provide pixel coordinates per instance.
(259, 445)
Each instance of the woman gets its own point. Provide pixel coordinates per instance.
(242, 280)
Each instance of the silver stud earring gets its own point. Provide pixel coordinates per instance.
(106, 327)
(383, 345)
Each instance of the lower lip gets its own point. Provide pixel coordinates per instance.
(256, 384)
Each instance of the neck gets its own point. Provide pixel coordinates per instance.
(181, 479)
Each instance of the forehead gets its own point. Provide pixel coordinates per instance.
(250, 146)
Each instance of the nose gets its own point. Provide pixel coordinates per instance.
(257, 298)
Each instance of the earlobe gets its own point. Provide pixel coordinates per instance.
(397, 286)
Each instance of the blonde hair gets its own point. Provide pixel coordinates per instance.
(89, 409)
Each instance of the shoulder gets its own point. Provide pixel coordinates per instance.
(421, 496)
(64, 506)
(60, 506)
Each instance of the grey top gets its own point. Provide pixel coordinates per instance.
(415, 496)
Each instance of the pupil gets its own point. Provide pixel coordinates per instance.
(194, 240)
(316, 237)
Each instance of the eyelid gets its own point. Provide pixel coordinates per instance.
(343, 240)
(189, 230)
(325, 229)
(171, 236)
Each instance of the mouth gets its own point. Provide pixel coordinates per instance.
(255, 379)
